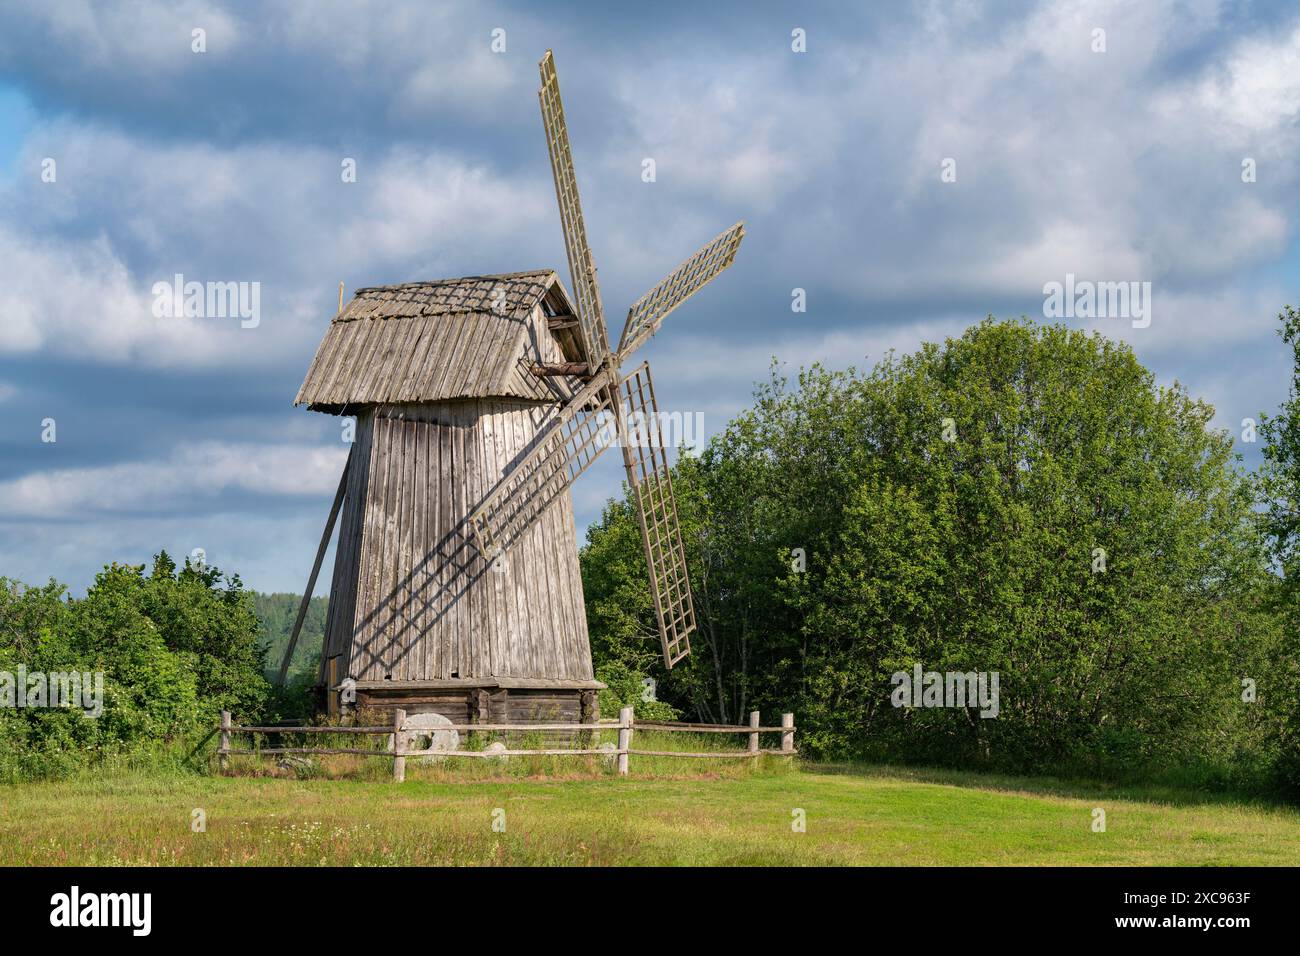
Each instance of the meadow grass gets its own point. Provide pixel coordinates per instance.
(577, 811)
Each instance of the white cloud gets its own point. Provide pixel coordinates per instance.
(143, 37)
(1189, 326)
(266, 213)
(1067, 160)
(1254, 95)
(271, 553)
(188, 477)
(78, 298)
(415, 52)
(724, 137)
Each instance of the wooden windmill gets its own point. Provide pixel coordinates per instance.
(479, 401)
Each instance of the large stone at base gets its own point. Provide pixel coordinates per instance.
(423, 736)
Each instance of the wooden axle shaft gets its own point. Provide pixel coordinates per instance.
(580, 369)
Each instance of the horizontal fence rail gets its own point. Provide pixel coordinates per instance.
(625, 725)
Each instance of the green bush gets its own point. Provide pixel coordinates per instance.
(173, 649)
(626, 688)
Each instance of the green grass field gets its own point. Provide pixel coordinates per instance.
(689, 816)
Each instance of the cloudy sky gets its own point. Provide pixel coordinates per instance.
(1118, 165)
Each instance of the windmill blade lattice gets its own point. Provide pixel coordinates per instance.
(591, 317)
(583, 429)
(646, 459)
(649, 311)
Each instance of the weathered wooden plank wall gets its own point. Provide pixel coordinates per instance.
(414, 599)
(343, 591)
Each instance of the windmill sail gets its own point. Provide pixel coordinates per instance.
(646, 459)
(602, 411)
(582, 429)
(591, 317)
(649, 311)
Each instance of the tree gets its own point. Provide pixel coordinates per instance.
(1022, 500)
(1281, 472)
(170, 650)
(1280, 486)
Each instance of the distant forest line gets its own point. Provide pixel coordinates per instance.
(275, 616)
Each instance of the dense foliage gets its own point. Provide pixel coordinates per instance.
(1022, 500)
(174, 647)
(1280, 484)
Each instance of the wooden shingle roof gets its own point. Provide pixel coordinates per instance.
(471, 337)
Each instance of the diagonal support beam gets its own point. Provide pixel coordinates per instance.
(577, 436)
(315, 570)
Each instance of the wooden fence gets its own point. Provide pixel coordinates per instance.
(625, 725)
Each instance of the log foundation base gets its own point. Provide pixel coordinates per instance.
(489, 701)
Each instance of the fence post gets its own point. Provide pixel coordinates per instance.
(753, 737)
(787, 736)
(624, 739)
(224, 760)
(399, 745)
